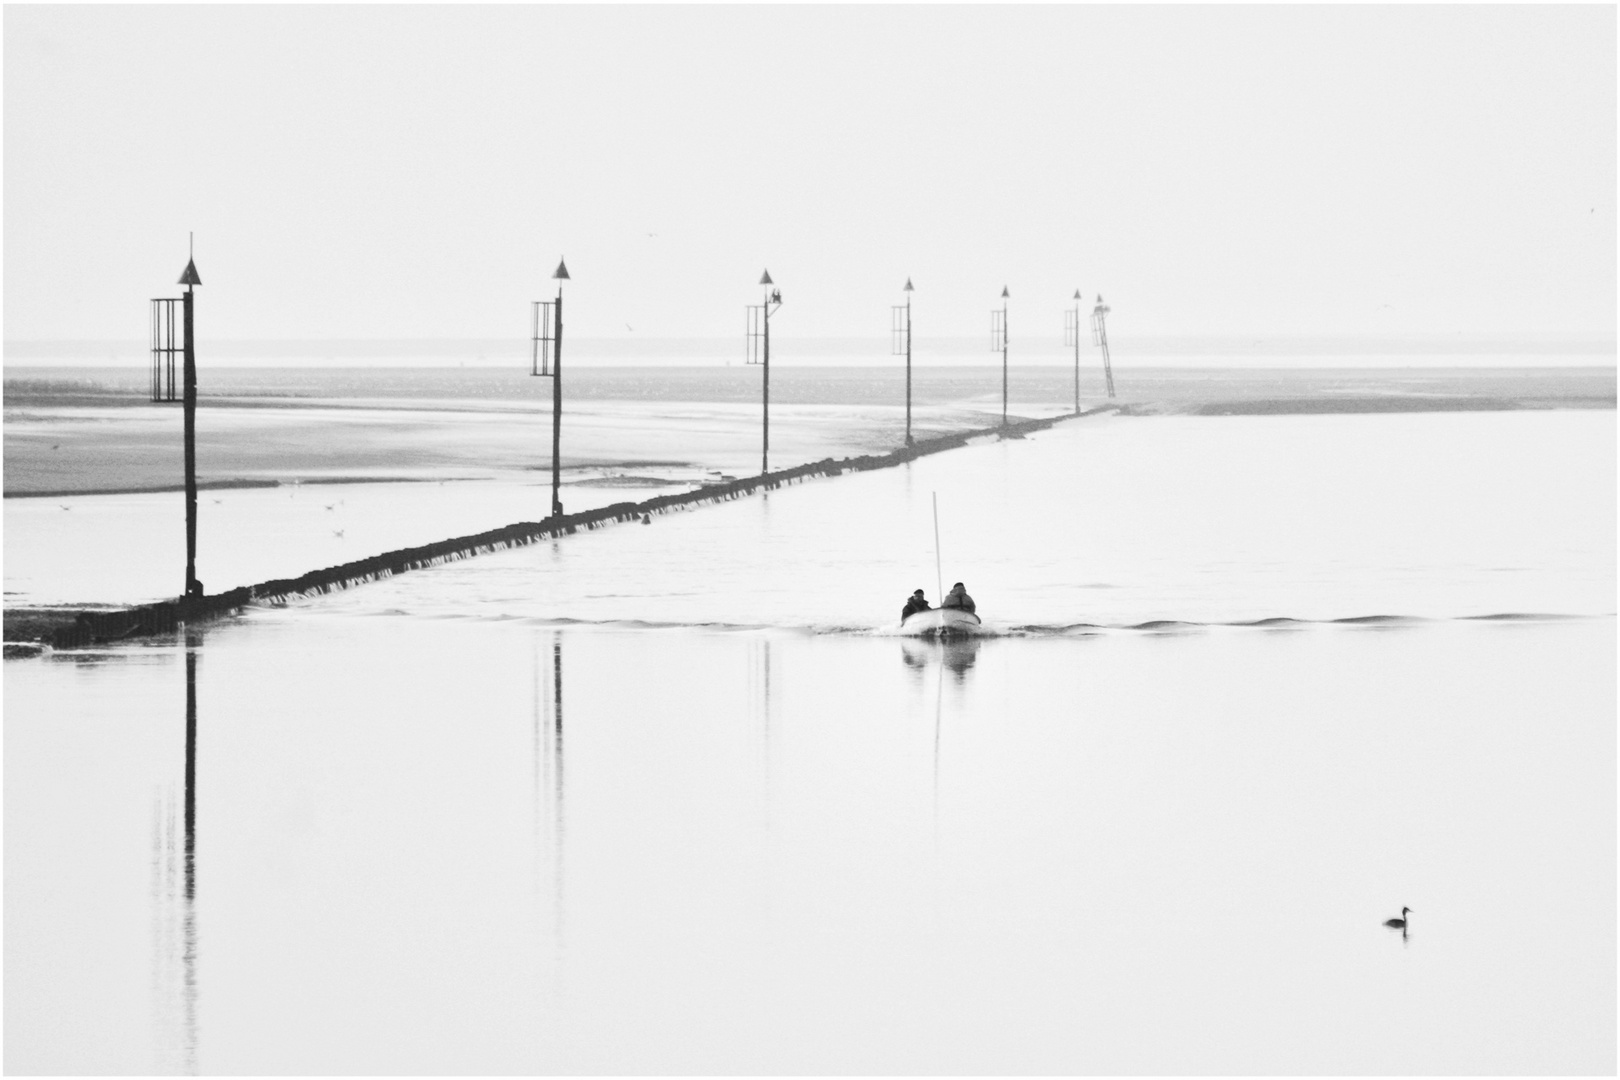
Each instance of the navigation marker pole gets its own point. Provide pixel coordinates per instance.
(546, 362)
(998, 340)
(1071, 336)
(1099, 336)
(759, 352)
(900, 325)
(164, 349)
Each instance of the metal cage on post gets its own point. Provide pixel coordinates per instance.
(543, 339)
(899, 330)
(168, 348)
(1071, 327)
(998, 331)
(756, 334)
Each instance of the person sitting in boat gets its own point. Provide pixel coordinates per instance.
(915, 603)
(958, 598)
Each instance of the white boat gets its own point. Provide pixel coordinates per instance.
(942, 623)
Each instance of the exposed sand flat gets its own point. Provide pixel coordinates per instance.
(93, 430)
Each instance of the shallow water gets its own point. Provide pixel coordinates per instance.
(484, 819)
(478, 847)
(1114, 521)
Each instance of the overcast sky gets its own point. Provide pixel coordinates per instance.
(415, 172)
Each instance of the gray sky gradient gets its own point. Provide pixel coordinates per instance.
(415, 172)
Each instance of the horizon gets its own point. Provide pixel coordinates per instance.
(1224, 351)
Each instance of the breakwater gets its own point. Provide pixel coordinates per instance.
(99, 627)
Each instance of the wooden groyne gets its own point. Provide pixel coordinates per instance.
(98, 627)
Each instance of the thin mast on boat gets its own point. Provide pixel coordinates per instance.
(939, 578)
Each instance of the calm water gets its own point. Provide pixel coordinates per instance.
(669, 798)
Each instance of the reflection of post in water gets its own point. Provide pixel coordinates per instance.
(759, 692)
(174, 872)
(193, 644)
(548, 769)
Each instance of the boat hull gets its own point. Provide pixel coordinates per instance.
(942, 623)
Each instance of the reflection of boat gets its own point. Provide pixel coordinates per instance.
(942, 623)
(957, 655)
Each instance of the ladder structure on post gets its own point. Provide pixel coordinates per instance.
(167, 348)
(1099, 337)
(900, 336)
(759, 352)
(545, 339)
(998, 343)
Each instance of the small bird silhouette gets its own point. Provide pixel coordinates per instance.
(338, 533)
(58, 446)
(1400, 923)
(331, 506)
(64, 506)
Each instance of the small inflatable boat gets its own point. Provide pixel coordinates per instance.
(941, 623)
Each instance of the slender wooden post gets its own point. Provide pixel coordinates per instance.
(765, 449)
(556, 413)
(1003, 356)
(190, 377)
(909, 440)
(189, 405)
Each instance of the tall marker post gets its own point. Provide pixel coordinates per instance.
(164, 348)
(998, 340)
(1099, 336)
(759, 352)
(900, 326)
(1071, 336)
(546, 362)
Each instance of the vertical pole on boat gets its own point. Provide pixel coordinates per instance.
(189, 398)
(939, 576)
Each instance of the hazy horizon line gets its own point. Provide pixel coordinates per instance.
(1453, 343)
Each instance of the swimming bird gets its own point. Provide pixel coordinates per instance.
(1400, 923)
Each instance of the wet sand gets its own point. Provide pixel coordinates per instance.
(90, 431)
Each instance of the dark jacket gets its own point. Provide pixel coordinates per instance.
(958, 598)
(914, 604)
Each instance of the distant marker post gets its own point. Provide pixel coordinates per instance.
(998, 340)
(1071, 336)
(900, 326)
(546, 362)
(759, 352)
(1099, 336)
(163, 390)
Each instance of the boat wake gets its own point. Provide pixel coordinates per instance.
(992, 630)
